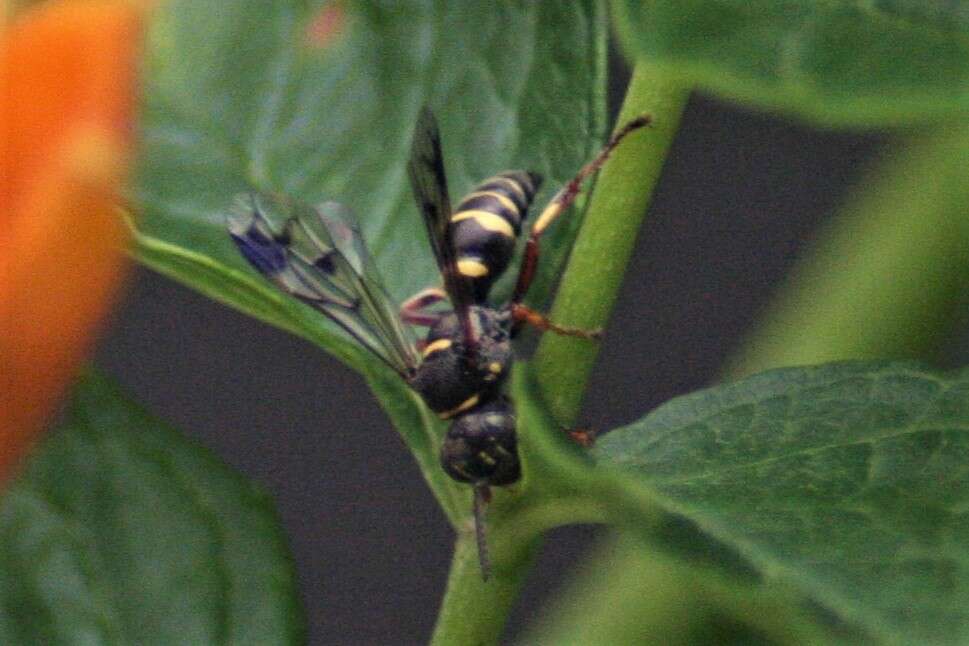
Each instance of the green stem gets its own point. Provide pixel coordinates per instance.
(474, 611)
(887, 276)
(601, 252)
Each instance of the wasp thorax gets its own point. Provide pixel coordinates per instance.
(452, 380)
(482, 447)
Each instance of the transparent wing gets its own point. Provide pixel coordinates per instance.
(426, 170)
(316, 253)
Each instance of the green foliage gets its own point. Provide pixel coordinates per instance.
(847, 480)
(121, 531)
(840, 486)
(836, 62)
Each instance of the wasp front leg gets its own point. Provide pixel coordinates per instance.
(412, 310)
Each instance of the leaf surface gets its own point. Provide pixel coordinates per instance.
(837, 62)
(850, 480)
(122, 531)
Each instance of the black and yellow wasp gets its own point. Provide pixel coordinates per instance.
(316, 254)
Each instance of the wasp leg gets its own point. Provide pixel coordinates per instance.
(523, 314)
(562, 201)
(584, 437)
(411, 311)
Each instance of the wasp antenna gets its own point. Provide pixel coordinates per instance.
(482, 494)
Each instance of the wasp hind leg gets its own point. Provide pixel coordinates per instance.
(562, 201)
(558, 205)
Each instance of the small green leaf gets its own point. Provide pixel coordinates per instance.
(121, 531)
(838, 62)
(849, 480)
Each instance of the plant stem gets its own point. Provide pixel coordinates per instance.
(888, 274)
(474, 611)
(601, 252)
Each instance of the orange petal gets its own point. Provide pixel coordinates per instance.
(68, 77)
(63, 64)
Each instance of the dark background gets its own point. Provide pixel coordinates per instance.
(741, 195)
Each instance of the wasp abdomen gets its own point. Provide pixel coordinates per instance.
(486, 224)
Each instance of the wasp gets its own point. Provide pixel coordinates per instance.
(316, 254)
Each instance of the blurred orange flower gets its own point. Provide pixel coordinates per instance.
(67, 71)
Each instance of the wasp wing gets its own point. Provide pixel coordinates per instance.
(317, 254)
(426, 171)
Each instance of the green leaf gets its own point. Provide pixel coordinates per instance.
(837, 62)
(121, 531)
(849, 480)
(237, 97)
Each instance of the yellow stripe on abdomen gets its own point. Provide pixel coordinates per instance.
(510, 183)
(487, 220)
(472, 268)
(505, 201)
